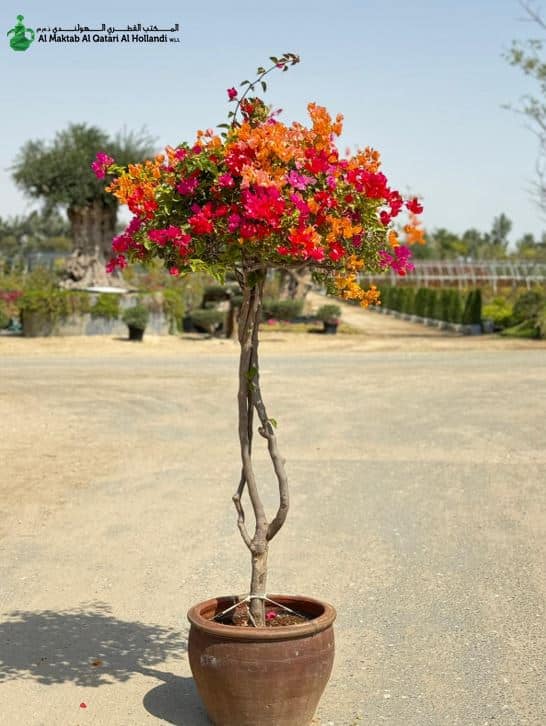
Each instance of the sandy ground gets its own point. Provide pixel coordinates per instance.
(417, 464)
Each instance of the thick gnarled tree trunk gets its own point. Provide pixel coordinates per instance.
(295, 283)
(93, 228)
(250, 400)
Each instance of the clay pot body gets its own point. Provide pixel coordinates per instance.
(261, 676)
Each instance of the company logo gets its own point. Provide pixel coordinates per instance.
(22, 37)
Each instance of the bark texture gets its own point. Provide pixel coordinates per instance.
(295, 283)
(93, 228)
(250, 401)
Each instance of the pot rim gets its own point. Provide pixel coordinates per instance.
(237, 632)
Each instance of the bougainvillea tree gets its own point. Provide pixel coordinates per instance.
(262, 194)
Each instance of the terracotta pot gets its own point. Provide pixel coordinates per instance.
(261, 676)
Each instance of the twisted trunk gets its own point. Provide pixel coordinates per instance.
(250, 400)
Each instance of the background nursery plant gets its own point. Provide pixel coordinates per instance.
(262, 194)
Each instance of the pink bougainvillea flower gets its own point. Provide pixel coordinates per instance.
(396, 203)
(119, 261)
(264, 204)
(374, 185)
(414, 206)
(357, 240)
(232, 93)
(385, 217)
(187, 186)
(398, 260)
(271, 615)
(299, 181)
(125, 241)
(336, 252)
(171, 235)
(226, 180)
(234, 220)
(201, 223)
(316, 253)
(174, 271)
(101, 164)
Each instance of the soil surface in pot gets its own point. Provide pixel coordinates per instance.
(275, 617)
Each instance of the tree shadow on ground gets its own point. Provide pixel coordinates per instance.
(89, 647)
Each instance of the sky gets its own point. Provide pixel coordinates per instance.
(423, 82)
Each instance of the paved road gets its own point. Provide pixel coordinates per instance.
(418, 510)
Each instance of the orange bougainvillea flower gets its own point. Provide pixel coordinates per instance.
(415, 234)
(393, 238)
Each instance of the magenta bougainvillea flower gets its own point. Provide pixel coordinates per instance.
(101, 164)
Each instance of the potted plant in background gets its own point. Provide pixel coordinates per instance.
(261, 195)
(136, 318)
(330, 315)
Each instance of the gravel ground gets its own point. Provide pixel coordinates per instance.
(417, 467)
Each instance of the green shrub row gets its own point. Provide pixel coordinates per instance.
(56, 304)
(445, 304)
(106, 306)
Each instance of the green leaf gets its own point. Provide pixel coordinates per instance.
(273, 422)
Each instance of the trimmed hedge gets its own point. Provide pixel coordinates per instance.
(472, 314)
(215, 294)
(209, 320)
(445, 304)
(281, 309)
